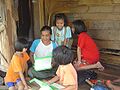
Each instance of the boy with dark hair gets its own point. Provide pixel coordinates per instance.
(18, 66)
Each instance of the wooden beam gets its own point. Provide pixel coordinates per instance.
(41, 12)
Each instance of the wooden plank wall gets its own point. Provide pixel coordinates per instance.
(7, 32)
(102, 18)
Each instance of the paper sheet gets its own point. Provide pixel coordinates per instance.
(43, 64)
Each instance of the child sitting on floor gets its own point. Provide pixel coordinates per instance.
(87, 53)
(42, 49)
(66, 73)
(18, 66)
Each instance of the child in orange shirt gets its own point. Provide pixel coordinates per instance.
(18, 66)
(66, 74)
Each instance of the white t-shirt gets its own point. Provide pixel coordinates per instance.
(43, 50)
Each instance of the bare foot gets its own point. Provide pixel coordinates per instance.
(117, 80)
(99, 66)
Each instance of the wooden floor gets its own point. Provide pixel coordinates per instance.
(108, 74)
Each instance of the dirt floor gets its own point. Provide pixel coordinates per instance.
(108, 74)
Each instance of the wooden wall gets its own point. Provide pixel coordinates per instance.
(102, 18)
(7, 32)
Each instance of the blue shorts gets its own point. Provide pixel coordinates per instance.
(11, 84)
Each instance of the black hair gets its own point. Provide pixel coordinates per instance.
(21, 43)
(79, 26)
(46, 28)
(62, 55)
(60, 16)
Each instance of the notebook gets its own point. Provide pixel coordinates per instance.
(42, 63)
(45, 86)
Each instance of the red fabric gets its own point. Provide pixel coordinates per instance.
(89, 50)
(82, 64)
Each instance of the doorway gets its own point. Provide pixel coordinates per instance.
(25, 22)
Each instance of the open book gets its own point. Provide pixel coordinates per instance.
(45, 86)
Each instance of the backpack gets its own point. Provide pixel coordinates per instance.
(70, 40)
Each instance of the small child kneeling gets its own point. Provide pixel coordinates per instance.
(66, 73)
(18, 66)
